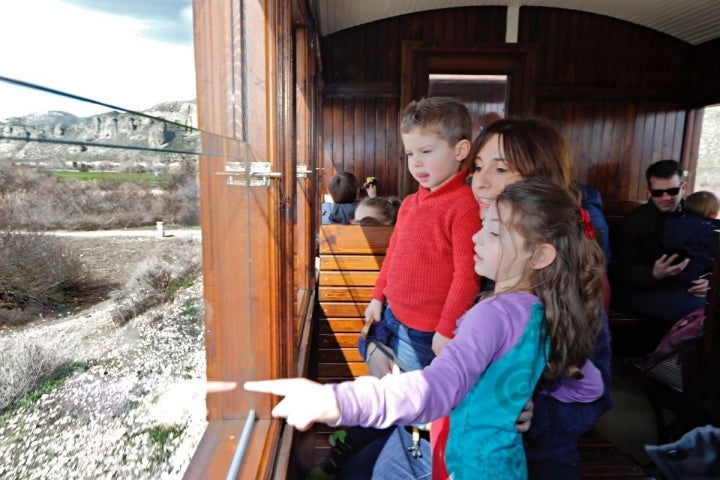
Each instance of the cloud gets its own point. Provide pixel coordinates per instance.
(133, 60)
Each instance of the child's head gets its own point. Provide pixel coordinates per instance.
(514, 148)
(436, 136)
(703, 204)
(344, 188)
(533, 238)
(377, 211)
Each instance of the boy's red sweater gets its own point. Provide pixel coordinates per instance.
(428, 275)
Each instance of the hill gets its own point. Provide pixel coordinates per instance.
(59, 140)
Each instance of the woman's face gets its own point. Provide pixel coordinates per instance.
(492, 174)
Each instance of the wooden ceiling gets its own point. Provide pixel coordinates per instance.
(694, 21)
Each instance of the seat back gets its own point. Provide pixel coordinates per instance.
(350, 261)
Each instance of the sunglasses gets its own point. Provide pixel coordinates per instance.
(670, 191)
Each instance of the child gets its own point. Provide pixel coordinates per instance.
(377, 211)
(543, 317)
(427, 281)
(345, 192)
(691, 233)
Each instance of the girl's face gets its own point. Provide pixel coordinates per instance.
(492, 174)
(431, 160)
(500, 253)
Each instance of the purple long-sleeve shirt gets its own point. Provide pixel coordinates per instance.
(485, 333)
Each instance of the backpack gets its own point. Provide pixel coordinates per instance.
(676, 358)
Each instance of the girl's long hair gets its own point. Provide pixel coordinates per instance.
(571, 287)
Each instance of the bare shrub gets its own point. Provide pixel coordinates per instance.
(35, 200)
(156, 280)
(39, 274)
(24, 368)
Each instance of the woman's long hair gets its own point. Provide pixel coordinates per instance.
(571, 287)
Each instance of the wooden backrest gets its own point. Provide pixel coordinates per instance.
(350, 261)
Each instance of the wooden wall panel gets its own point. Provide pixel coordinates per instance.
(364, 136)
(620, 93)
(579, 49)
(706, 74)
(612, 144)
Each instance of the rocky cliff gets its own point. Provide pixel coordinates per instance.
(59, 139)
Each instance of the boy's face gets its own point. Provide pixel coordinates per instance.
(492, 174)
(431, 160)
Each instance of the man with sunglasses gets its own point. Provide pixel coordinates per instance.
(639, 266)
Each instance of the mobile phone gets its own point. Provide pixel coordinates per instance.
(680, 252)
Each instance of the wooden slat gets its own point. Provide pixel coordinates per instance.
(343, 309)
(345, 294)
(349, 278)
(355, 239)
(330, 325)
(339, 355)
(351, 262)
(346, 370)
(338, 340)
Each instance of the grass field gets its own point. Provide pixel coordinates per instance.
(147, 178)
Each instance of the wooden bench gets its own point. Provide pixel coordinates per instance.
(350, 261)
(600, 459)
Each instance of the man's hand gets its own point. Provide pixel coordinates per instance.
(438, 343)
(700, 287)
(522, 424)
(305, 402)
(663, 266)
(373, 311)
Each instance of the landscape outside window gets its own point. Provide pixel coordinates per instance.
(708, 166)
(101, 312)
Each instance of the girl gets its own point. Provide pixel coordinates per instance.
(377, 211)
(542, 317)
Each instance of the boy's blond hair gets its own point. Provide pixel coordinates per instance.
(703, 203)
(444, 116)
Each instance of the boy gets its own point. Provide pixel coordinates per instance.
(427, 280)
(424, 294)
(691, 234)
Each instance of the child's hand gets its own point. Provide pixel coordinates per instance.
(438, 343)
(371, 190)
(373, 311)
(305, 402)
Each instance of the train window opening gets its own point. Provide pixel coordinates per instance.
(707, 173)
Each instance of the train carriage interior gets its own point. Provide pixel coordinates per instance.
(290, 93)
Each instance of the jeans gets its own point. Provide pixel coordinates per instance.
(387, 457)
(413, 348)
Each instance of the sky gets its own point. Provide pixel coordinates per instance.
(129, 53)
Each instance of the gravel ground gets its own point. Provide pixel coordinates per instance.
(136, 411)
